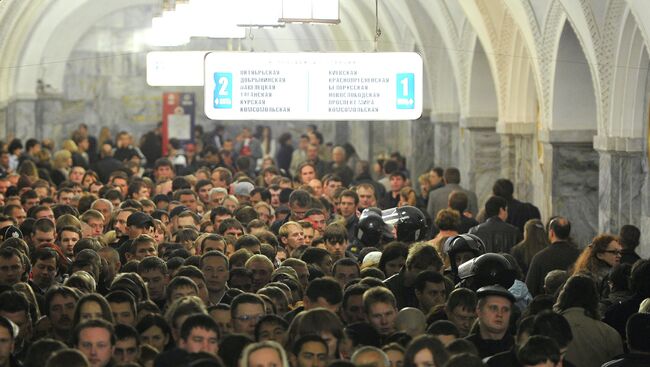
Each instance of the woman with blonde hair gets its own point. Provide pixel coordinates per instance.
(61, 164)
(264, 354)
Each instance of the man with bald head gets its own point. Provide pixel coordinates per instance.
(370, 356)
(411, 321)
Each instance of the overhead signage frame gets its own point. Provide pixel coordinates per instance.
(313, 86)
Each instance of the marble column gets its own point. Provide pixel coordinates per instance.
(421, 153)
(3, 121)
(623, 172)
(445, 135)
(572, 180)
(21, 119)
(480, 155)
(517, 144)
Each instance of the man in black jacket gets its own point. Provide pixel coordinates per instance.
(497, 235)
(560, 255)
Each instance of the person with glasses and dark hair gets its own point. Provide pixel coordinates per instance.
(246, 310)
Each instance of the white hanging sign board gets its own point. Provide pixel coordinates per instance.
(313, 86)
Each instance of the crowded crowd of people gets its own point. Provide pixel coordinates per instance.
(246, 250)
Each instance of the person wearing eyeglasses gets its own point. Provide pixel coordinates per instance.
(598, 259)
(246, 310)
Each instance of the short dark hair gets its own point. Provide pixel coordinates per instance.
(10, 326)
(463, 297)
(327, 288)
(300, 198)
(443, 327)
(94, 323)
(428, 276)
(58, 290)
(538, 349)
(245, 298)
(314, 255)
(152, 263)
(308, 338)
(459, 201)
(201, 321)
(503, 188)
(346, 261)
(554, 326)
(270, 319)
(123, 332)
(493, 206)
(629, 236)
(452, 175)
(120, 296)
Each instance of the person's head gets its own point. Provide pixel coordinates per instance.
(127, 344)
(246, 310)
(352, 305)
(430, 290)
(142, 247)
(381, 309)
(559, 229)
(445, 330)
(306, 172)
(323, 323)
(44, 267)
(123, 307)
(68, 357)
(323, 292)
(579, 291)
(8, 333)
(199, 333)
(92, 306)
(447, 220)
(452, 176)
(554, 280)
(494, 308)
(271, 327)
(180, 287)
(345, 270)
(496, 206)
(422, 256)
(96, 340)
(425, 350)
(67, 237)
(154, 272)
(60, 304)
(461, 309)
(215, 268)
(261, 268)
(336, 240)
(15, 307)
(41, 350)
(43, 232)
(12, 266)
(348, 203)
(318, 257)
(370, 356)
(154, 331)
(604, 249)
(291, 235)
(554, 326)
(268, 353)
(629, 236)
(310, 351)
(393, 258)
(539, 351)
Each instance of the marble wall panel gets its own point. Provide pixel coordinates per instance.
(21, 119)
(517, 163)
(622, 179)
(445, 147)
(575, 188)
(480, 160)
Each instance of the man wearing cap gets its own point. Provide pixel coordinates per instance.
(243, 192)
(493, 309)
(139, 223)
